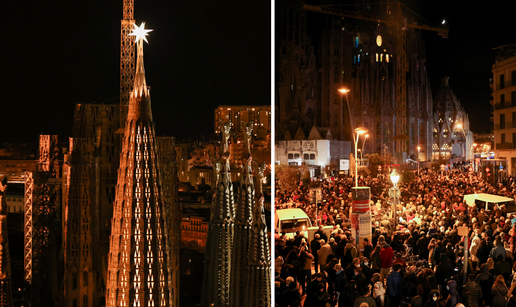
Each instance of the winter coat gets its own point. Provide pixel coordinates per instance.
(499, 293)
(323, 253)
(485, 280)
(386, 255)
(498, 250)
(444, 269)
(472, 294)
(394, 284)
(453, 296)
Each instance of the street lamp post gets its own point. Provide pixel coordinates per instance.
(345, 91)
(418, 149)
(472, 156)
(394, 192)
(363, 145)
(358, 132)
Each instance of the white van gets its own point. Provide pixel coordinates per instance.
(488, 201)
(292, 220)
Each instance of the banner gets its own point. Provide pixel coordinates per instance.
(361, 199)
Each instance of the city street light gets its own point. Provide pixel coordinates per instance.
(358, 132)
(394, 192)
(345, 91)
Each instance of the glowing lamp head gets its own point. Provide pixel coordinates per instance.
(395, 177)
(361, 130)
(344, 90)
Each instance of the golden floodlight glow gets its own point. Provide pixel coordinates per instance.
(344, 90)
(140, 32)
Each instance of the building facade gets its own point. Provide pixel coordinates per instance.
(451, 134)
(504, 102)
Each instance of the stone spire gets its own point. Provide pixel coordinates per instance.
(244, 204)
(139, 262)
(6, 299)
(217, 266)
(258, 285)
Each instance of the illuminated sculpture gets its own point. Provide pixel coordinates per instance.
(138, 261)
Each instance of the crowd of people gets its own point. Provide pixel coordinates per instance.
(419, 263)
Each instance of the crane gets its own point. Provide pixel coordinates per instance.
(400, 23)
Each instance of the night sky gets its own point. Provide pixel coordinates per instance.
(467, 55)
(201, 54)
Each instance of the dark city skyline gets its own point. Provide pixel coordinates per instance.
(200, 55)
(466, 56)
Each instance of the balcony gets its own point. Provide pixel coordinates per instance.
(500, 146)
(507, 104)
(507, 125)
(506, 84)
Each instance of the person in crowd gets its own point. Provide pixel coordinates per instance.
(485, 280)
(375, 259)
(399, 260)
(323, 253)
(379, 294)
(453, 296)
(365, 297)
(386, 255)
(315, 245)
(499, 292)
(435, 299)
(472, 293)
(306, 259)
(394, 280)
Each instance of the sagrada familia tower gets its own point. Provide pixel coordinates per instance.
(139, 268)
(237, 266)
(6, 298)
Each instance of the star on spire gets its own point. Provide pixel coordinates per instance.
(140, 32)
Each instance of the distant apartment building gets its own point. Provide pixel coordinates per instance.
(503, 85)
(194, 231)
(260, 116)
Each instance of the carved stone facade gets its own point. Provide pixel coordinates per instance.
(91, 164)
(237, 259)
(452, 136)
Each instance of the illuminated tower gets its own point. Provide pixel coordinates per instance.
(258, 283)
(6, 298)
(244, 203)
(126, 59)
(138, 260)
(217, 266)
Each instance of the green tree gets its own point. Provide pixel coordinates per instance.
(287, 176)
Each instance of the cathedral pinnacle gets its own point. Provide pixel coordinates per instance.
(140, 84)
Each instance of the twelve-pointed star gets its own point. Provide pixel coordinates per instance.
(140, 32)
